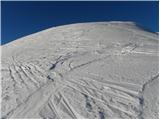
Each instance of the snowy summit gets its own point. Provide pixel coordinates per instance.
(85, 70)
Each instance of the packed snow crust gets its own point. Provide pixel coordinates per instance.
(85, 70)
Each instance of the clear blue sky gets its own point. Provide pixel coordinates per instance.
(23, 18)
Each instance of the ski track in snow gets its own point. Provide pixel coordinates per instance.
(94, 70)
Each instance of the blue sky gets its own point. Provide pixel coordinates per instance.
(23, 18)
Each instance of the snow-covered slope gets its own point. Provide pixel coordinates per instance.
(86, 70)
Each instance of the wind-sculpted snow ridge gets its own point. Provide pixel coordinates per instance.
(87, 70)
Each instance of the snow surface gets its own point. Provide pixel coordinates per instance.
(85, 70)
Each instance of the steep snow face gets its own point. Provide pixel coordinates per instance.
(87, 70)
